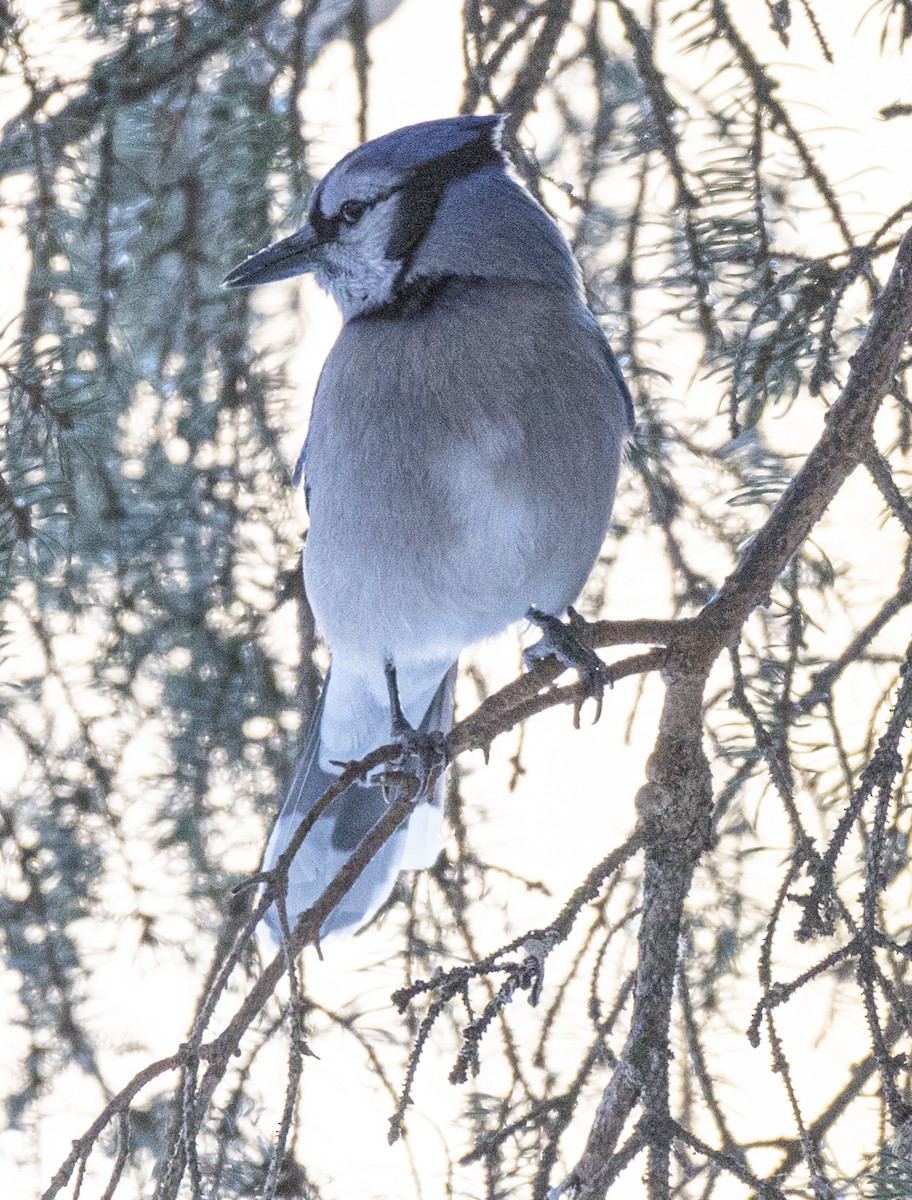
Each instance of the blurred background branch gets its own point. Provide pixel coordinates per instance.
(157, 654)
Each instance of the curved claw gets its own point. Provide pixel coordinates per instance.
(565, 643)
(423, 752)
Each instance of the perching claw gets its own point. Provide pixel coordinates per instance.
(423, 751)
(564, 641)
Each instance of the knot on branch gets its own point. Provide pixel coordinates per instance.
(902, 1140)
(675, 803)
(820, 907)
(679, 820)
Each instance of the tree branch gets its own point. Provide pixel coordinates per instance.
(80, 114)
(675, 803)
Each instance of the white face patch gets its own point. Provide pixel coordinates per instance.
(353, 183)
(375, 209)
(353, 267)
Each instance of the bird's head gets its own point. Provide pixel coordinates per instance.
(425, 202)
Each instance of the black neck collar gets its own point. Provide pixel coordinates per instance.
(416, 296)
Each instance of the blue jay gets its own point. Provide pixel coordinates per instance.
(460, 464)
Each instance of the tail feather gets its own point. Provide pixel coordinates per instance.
(424, 829)
(339, 830)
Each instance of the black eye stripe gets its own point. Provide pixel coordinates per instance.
(326, 228)
(456, 164)
(424, 191)
(423, 188)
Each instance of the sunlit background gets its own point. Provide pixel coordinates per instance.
(552, 800)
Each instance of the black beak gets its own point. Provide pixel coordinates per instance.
(294, 255)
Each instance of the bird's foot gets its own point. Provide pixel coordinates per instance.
(568, 643)
(423, 752)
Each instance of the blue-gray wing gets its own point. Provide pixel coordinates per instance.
(297, 474)
(613, 368)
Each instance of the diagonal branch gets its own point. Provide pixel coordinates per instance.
(841, 447)
(674, 805)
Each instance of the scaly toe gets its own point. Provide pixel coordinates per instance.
(564, 641)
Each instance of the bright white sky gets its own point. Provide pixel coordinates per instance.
(417, 75)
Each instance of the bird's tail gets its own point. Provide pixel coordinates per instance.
(339, 830)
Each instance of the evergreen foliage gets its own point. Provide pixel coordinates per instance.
(158, 655)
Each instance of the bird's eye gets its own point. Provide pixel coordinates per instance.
(352, 211)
